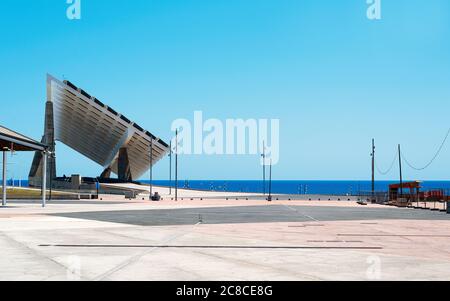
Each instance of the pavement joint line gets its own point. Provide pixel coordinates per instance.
(34, 252)
(259, 264)
(397, 235)
(306, 226)
(305, 215)
(335, 241)
(215, 247)
(136, 257)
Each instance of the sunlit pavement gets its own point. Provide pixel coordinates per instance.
(216, 239)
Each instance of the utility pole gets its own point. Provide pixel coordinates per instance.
(151, 168)
(264, 167)
(170, 169)
(400, 166)
(373, 169)
(176, 165)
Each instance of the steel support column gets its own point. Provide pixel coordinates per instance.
(4, 179)
(44, 179)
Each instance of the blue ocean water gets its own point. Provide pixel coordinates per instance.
(298, 187)
(287, 187)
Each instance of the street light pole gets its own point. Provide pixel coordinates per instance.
(52, 155)
(170, 169)
(270, 182)
(400, 167)
(151, 168)
(97, 186)
(373, 169)
(4, 178)
(176, 165)
(264, 167)
(44, 179)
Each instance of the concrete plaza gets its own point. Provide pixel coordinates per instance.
(219, 239)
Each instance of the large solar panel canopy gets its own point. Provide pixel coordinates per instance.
(95, 130)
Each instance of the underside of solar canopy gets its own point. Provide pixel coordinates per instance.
(13, 141)
(98, 132)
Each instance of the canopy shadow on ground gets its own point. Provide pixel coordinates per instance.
(251, 214)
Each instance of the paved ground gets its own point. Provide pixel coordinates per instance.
(250, 214)
(222, 240)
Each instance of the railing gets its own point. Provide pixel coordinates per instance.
(379, 197)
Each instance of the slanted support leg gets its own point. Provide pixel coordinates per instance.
(106, 174)
(124, 166)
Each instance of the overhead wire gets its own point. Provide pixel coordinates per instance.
(383, 173)
(436, 155)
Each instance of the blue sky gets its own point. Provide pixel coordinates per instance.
(334, 78)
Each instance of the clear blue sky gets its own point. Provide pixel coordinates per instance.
(334, 78)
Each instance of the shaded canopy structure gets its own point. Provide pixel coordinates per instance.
(15, 142)
(95, 130)
(397, 190)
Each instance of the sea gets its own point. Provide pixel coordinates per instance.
(301, 187)
(292, 187)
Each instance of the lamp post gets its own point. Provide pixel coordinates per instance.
(373, 169)
(44, 178)
(53, 156)
(270, 183)
(264, 167)
(176, 165)
(4, 187)
(170, 169)
(151, 169)
(400, 169)
(97, 186)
